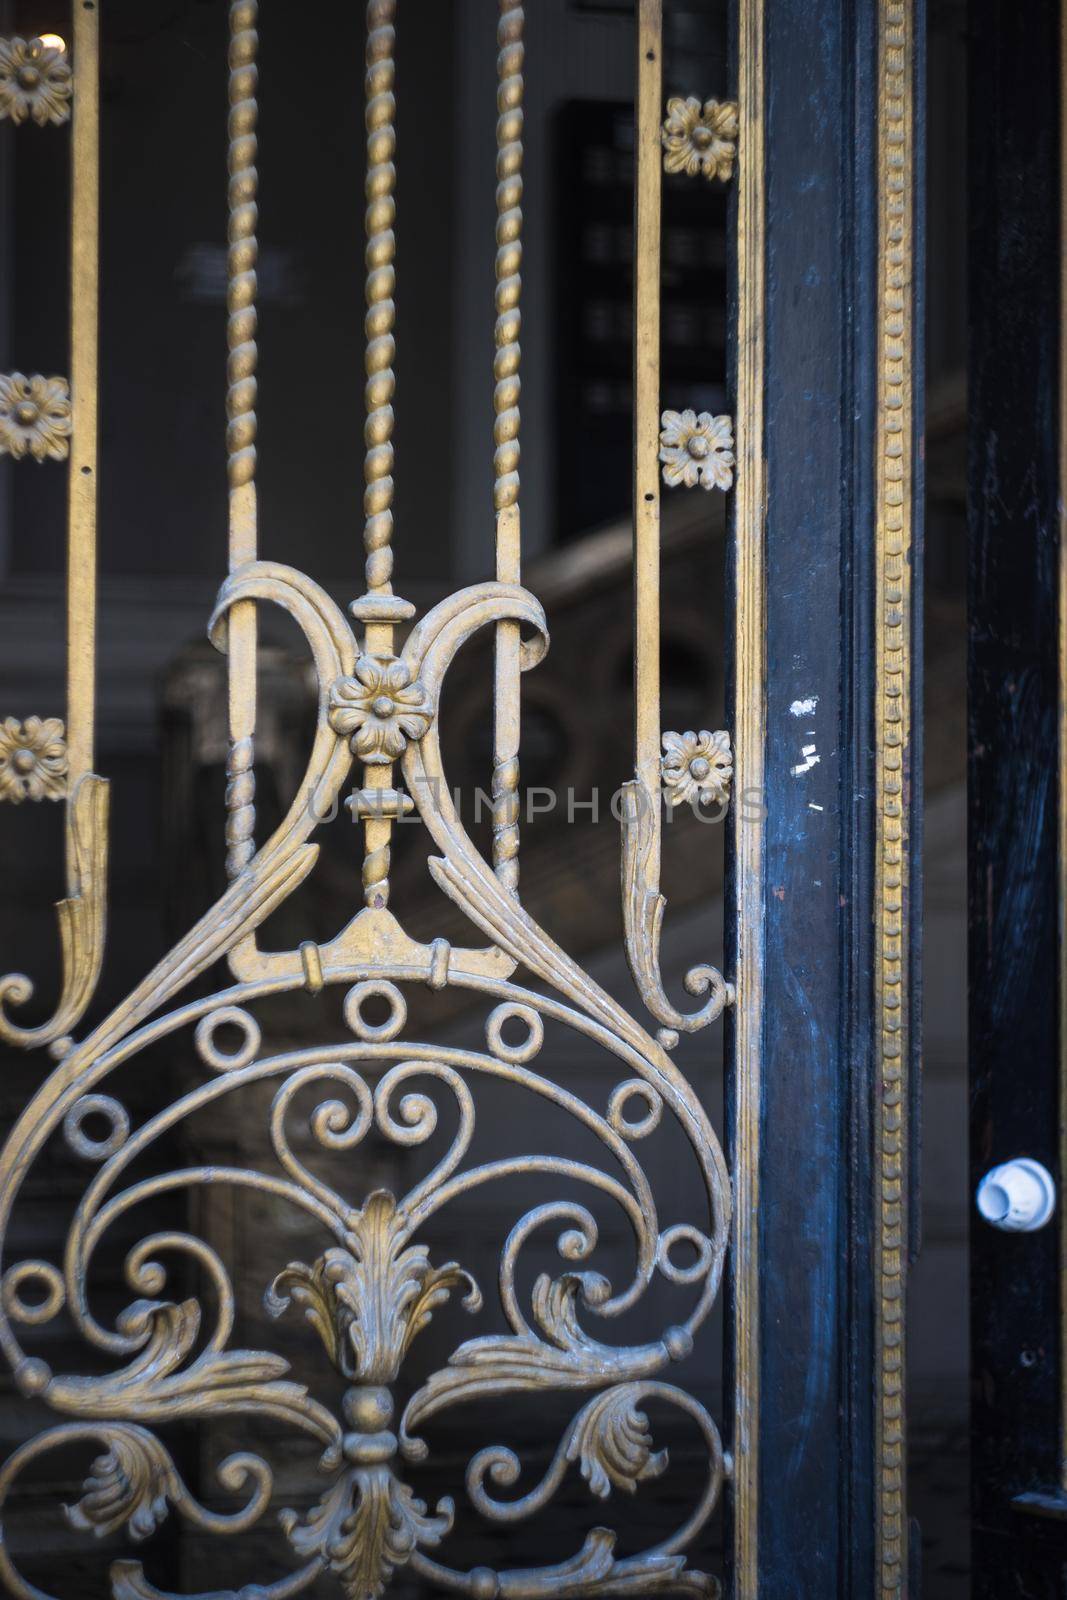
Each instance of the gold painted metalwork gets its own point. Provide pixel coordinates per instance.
(506, 391)
(35, 417)
(749, 714)
(642, 819)
(379, 608)
(379, 709)
(61, 429)
(372, 1287)
(697, 767)
(696, 449)
(35, 82)
(242, 358)
(893, 488)
(700, 139)
(33, 759)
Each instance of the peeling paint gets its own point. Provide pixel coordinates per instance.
(804, 708)
(810, 760)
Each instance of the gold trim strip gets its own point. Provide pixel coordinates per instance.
(749, 723)
(647, 214)
(893, 538)
(81, 498)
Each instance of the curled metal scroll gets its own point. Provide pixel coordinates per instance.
(82, 918)
(643, 908)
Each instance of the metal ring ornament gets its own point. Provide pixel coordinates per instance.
(684, 1233)
(375, 1032)
(517, 1054)
(621, 1095)
(101, 1105)
(227, 1060)
(41, 1272)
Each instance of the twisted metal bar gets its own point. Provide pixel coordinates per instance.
(378, 608)
(241, 426)
(381, 283)
(506, 393)
(376, 863)
(509, 129)
(240, 805)
(242, 255)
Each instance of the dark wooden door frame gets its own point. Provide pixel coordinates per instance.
(1014, 764)
(842, 87)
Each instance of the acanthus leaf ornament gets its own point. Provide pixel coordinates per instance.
(368, 1301)
(365, 1527)
(611, 1442)
(129, 1486)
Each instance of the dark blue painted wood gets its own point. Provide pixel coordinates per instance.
(816, 1535)
(804, 1306)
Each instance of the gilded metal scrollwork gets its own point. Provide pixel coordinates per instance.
(372, 1285)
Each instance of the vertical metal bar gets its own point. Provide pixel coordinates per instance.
(7, 290)
(506, 392)
(83, 912)
(241, 428)
(749, 715)
(647, 209)
(81, 502)
(380, 388)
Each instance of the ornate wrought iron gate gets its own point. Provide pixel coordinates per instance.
(374, 1286)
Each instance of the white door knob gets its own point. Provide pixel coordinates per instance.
(1018, 1197)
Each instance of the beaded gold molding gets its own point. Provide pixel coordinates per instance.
(893, 534)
